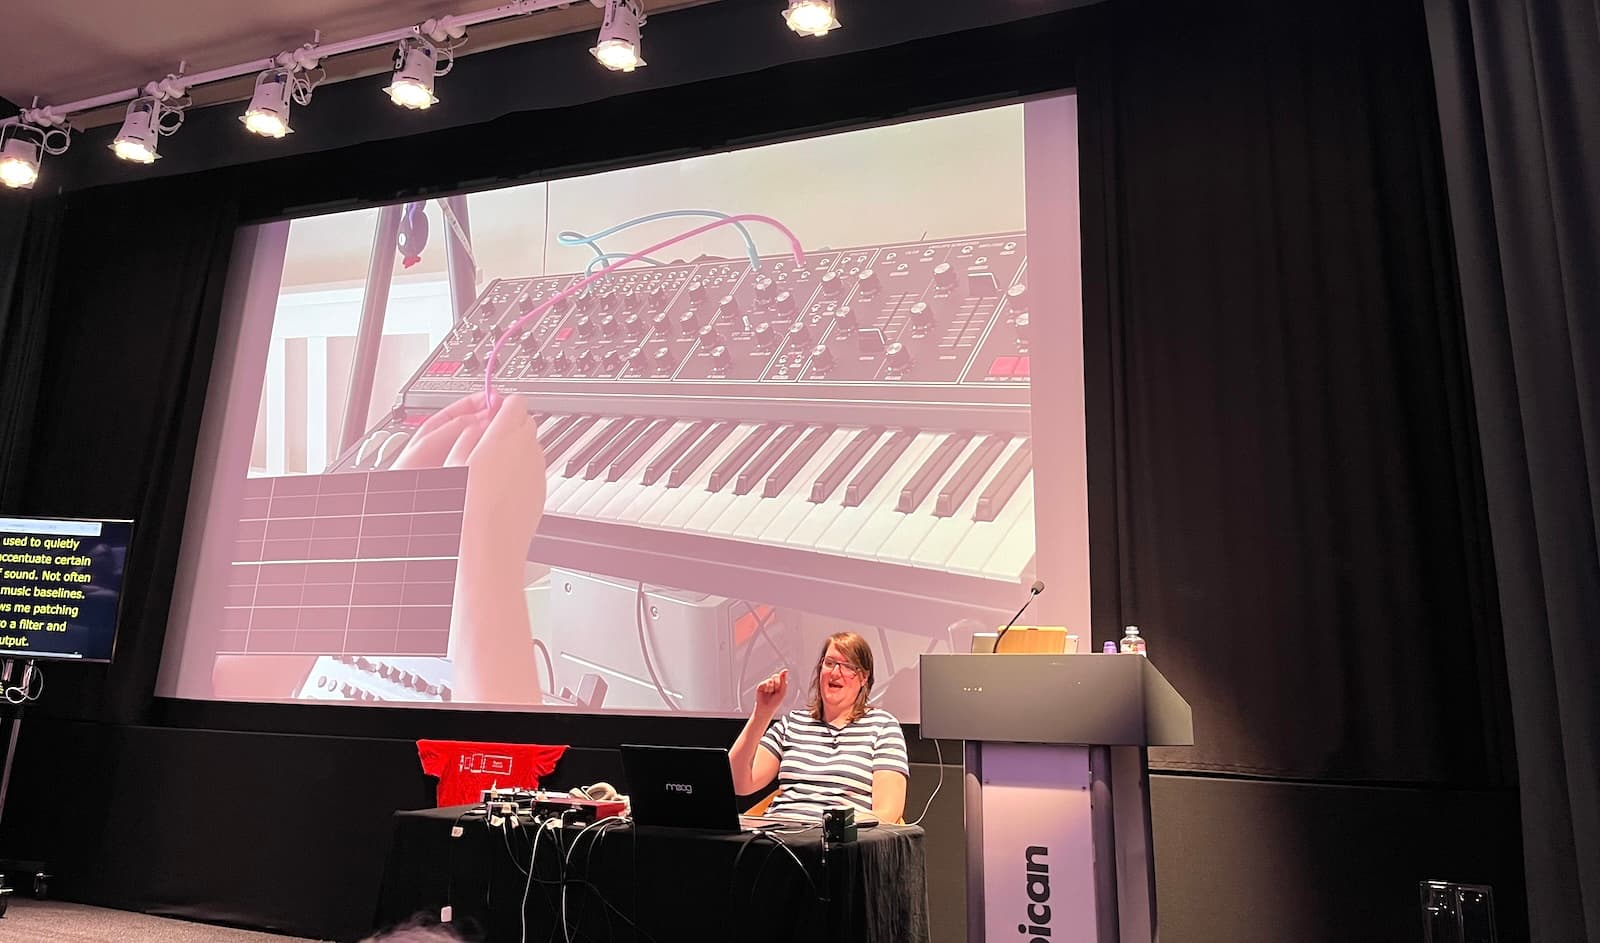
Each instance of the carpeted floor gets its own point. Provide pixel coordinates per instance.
(50, 921)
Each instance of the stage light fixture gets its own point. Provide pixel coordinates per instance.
(140, 133)
(268, 114)
(415, 66)
(619, 47)
(19, 163)
(811, 17)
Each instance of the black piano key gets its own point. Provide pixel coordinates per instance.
(767, 458)
(697, 456)
(592, 447)
(663, 463)
(933, 468)
(603, 459)
(728, 468)
(634, 452)
(554, 432)
(955, 491)
(842, 463)
(796, 460)
(876, 467)
(568, 437)
(1004, 484)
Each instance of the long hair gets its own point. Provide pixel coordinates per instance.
(856, 649)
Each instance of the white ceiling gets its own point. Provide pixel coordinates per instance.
(69, 50)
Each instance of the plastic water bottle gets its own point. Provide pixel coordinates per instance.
(1133, 642)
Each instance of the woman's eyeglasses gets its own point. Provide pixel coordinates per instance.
(843, 667)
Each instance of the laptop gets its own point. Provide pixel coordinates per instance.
(681, 787)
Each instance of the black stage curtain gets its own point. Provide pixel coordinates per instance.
(28, 232)
(134, 297)
(1519, 103)
(1286, 469)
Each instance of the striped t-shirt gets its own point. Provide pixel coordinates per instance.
(820, 766)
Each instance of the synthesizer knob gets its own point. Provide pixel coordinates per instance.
(945, 276)
(821, 357)
(594, 362)
(897, 356)
(763, 290)
(639, 359)
(783, 302)
(584, 325)
(585, 301)
(688, 322)
(1017, 299)
(470, 362)
(696, 291)
(660, 358)
(728, 308)
(555, 363)
(711, 337)
(721, 357)
(608, 325)
(611, 362)
(629, 300)
(1024, 326)
(922, 315)
(656, 298)
(800, 334)
(844, 321)
(831, 285)
(535, 366)
(632, 327)
(660, 324)
(606, 302)
(867, 282)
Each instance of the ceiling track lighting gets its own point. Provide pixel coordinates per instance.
(26, 140)
(289, 82)
(422, 53)
(417, 62)
(619, 48)
(811, 17)
(19, 161)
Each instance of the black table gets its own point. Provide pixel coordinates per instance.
(661, 885)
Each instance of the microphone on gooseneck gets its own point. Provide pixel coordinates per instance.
(1034, 590)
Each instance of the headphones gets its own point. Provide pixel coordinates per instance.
(599, 792)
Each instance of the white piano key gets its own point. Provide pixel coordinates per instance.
(983, 541)
(715, 504)
(948, 532)
(910, 529)
(679, 504)
(1010, 559)
(609, 503)
(793, 496)
(802, 523)
(878, 504)
(651, 495)
(560, 487)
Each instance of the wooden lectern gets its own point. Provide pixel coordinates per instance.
(1057, 789)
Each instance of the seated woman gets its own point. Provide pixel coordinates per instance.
(838, 751)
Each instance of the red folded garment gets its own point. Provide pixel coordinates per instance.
(466, 768)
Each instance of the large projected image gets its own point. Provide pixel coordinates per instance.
(634, 441)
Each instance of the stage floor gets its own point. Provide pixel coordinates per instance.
(50, 921)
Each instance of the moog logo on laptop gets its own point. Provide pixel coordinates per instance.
(681, 787)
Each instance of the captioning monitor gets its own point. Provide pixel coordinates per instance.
(61, 587)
